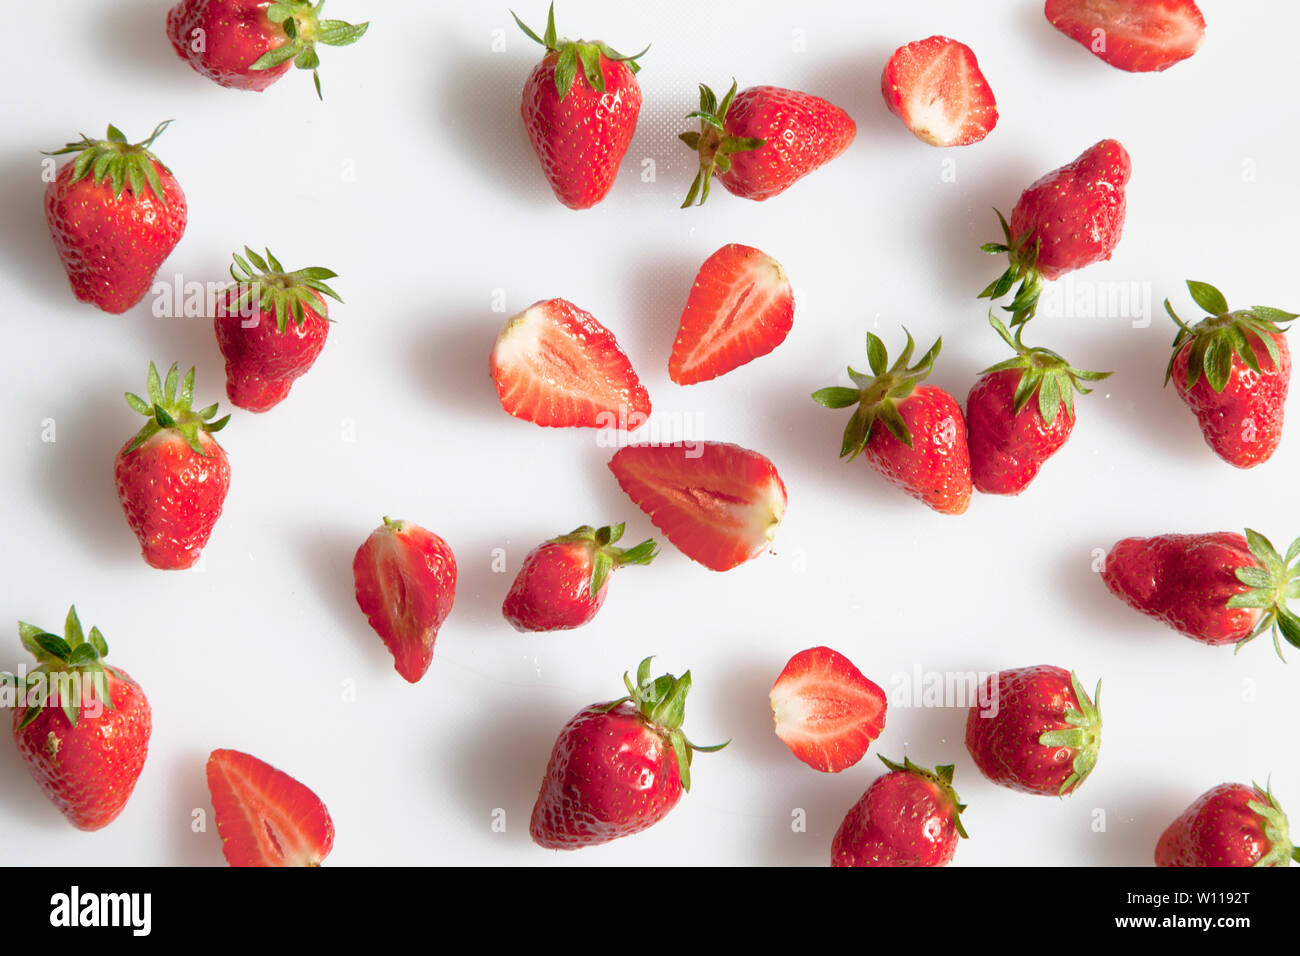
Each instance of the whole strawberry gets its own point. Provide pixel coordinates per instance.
(115, 213)
(562, 583)
(1233, 370)
(914, 435)
(580, 107)
(172, 477)
(248, 44)
(760, 141)
(82, 726)
(617, 768)
(271, 326)
(1041, 733)
(1218, 588)
(908, 817)
(1229, 825)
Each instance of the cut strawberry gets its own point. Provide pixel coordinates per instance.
(825, 711)
(1140, 36)
(935, 86)
(719, 504)
(555, 365)
(740, 307)
(264, 816)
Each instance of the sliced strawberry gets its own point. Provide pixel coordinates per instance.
(720, 504)
(1140, 36)
(825, 711)
(264, 816)
(555, 365)
(935, 86)
(740, 307)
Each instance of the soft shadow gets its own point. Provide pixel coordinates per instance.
(190, 848)
(326, 554)
(27, 255)
(653, 306)
(132, 37)
(449, 358)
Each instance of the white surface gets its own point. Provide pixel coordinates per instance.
(448, 212)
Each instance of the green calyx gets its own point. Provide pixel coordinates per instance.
(1043, 373)
(170, 408)
(1271, 584)
(573, 53)
(1022, 267)
(65, 665)
(304, 28)
(877, 395)
(277, 290)
(114, 160)
(1223, 335)
(1280, 851)
(1083, 735)
(941, 777)
(714, 144)
(661, 702)
(604, 556)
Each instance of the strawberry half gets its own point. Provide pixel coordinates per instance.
(264, 816)
(1140, 36)
(718, 503)
(935, 87)
(740, 307)
(555, 365)
(825, 710)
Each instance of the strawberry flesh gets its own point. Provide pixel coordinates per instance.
(825, 710)
(264, 816)
(1139, 36)
(935, 86)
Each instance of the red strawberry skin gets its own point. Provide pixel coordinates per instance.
(1076, 212)
(936, 469)
(234, 35)
(904, 819)
(936, 88)
(1139, 36)
(552, 590)
(262, 363)
(1221, 828)
(1007, 449)
(825, 710)
(264, 816)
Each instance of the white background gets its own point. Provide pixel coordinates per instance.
(447, 210)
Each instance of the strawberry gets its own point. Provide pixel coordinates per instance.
(264, 354)
(405, 583)
(740, 307)
(1229, 825)
(264, 816)
(172, 477)
(82, 726)
(718, 503)
(825, 711)
(1019, 413)
(760, 141)
(934, 469)
(1218, 588)
(580, 107)
(618, 767)
(1041, 734)
(115, 213)
(1140, 36)
(562, 583)
(555, 365)
(907, 817)
(1068, 219)
(1233, 370)
(936, 88)
(247, 44)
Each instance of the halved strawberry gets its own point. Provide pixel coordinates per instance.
(825, 710)
(720, 504)
(264, 816)
(555, 365)
(1140, 36)
(740, 307)
(935, 86)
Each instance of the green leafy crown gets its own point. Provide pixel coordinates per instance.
(575, 52)
(1216, 339)
(304, 28)
(1043, 373)
(1276, 830)
(1022, 267)
(115, 160)
(941, 777)
(170, 408)
(277, 290)
(1271, 584)
(604, 556)
(713, 143)
(59, 659)
(1083, 735)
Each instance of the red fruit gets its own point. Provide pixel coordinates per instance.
(580, 108)
(907, 817)
(921, 447)
(617, 768)
(264, 816)
(82, 726)
(825, 711)
(247, 44)
(1140, 36)
(936, 88)
(1229, 825)
(406, 582)
(555, 365)
(172, 477)
(718, 503)
(115, 213)
(1233, 370)
(760, 141)
(740, 307)
(265, 353)
(562, 583)
(1037, 732)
